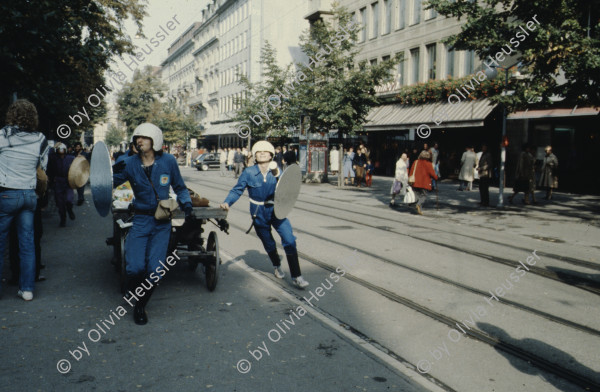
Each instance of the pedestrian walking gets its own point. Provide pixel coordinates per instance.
(400, 184)
(467, 170)
(22, 150)
(359, 164)
(549, 178)
(230, 157)
(369, 173)
(435, 160)
(334, 160)
(78, 151)
(239, 161)
(58, 174)
(222, 161)
(348, 171)
(525, 176)
(289, 157)
(261, 180)
(278, 158)
(38, 231)
(484, 169)
(421, 173)
(151, 173)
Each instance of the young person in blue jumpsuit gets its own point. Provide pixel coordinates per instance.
(261, 180)
(151, 174)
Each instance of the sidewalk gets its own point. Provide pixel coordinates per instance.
(449, 198)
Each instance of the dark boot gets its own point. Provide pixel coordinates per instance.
(275, 259)
(63, 219)
(292, 259)
(139, 311)
(70, 211)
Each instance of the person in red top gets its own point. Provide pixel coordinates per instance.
(423, 170)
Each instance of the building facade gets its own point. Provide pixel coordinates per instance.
(204, 65)
(404, 27)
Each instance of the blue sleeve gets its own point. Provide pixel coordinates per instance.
(119, 173)
(237, 191)
(183, 195)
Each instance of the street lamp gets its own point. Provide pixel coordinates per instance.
(492, 74)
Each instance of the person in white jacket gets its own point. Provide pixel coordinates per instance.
(334, 160)
(230, 156)
(400, 179)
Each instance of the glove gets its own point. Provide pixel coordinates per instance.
(223, 225)
(189, 212)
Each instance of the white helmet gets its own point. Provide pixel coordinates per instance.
(263, 145)
(151, 131)
(60, 146)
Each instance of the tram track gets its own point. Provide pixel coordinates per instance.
(535, 360)
(566, 278)
(565, 259)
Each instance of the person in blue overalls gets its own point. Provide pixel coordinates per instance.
(261, 180)
(151, 174)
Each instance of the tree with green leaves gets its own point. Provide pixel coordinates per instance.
(561, 57)
(338, 93)
(114, 136)
(55, 53)
(262, 108)
(333, 91)
(139, 102)
(177, 127)
(139, 99)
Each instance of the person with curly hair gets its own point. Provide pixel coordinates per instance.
(22, 150)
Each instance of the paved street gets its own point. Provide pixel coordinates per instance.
(460, 299)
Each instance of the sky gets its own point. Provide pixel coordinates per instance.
(160, 12)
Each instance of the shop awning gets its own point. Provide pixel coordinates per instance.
(457, 115)
(228, 128)
(547, 113)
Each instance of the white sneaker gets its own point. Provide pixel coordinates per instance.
(26, 295)
(300, 282)
(279, 273)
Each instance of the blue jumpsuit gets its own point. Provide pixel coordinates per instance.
(261, 189)
(148, 239)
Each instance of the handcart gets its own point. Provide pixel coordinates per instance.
(186, 238)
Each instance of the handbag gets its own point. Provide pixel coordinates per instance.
(411, 178)
(164, 210)
(397, 187)
(410, 197)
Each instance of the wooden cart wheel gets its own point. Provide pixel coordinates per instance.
(122, 261)
(212, 265)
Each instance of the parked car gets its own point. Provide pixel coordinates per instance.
(208, 160)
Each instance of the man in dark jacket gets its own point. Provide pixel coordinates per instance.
(359, 163)
(289, 157)
(238, 162)
(485, 175)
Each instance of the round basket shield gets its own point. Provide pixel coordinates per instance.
(79, 172)
(287, 191)
(101, 179)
